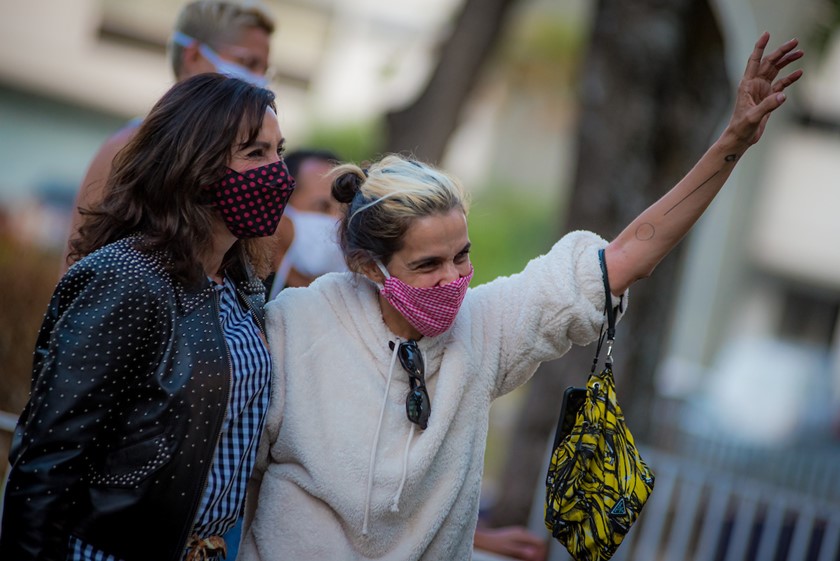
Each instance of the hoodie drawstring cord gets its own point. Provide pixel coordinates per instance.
(395, 504)
(375, 444)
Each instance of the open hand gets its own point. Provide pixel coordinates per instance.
(759, 93)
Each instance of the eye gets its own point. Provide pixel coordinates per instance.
(281, 150)
(461, 257)
(257, 153)
(254, 64)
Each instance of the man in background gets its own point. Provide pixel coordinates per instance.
(307, 236)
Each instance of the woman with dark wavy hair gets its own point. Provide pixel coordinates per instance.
(151, 376)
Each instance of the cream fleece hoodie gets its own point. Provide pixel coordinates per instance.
(341, 447)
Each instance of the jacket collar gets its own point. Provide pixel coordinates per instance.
(188, 299)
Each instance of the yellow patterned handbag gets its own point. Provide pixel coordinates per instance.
(597, 482)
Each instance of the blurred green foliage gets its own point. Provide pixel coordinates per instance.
(508, 228)
(352, 142)
(826, 23)
(537, 39)
(543, 54)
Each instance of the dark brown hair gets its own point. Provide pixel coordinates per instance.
(155, 185)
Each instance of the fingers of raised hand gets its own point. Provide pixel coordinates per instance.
(780, 85)
(768, 104)
(754, 62)
(790, 56)
(768, 67)
(780, 58)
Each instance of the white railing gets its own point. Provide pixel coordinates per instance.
(699, 514)
(809, 464)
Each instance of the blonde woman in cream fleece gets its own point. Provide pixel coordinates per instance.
(356, 469)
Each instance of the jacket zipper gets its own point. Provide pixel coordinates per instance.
(257, 317)
(217, 322)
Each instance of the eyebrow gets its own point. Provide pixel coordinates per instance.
(434, 258)
(262, 144)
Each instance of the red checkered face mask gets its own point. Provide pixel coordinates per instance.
(431, 310)
(252, 202)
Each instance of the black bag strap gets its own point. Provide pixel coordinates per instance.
(608, 336)
(607, 297)
(609, 311)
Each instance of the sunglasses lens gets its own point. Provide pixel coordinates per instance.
(417, 407)
(411, 359)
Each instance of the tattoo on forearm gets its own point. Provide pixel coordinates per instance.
(645, 232)
(698, 187)
(692, 192)
(727, 158)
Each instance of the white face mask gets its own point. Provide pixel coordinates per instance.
(314, 250)
(222, 66)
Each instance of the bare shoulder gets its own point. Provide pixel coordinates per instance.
(100, 166)
(90, 191)
(92, 187)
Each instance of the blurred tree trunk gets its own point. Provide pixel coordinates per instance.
(424, 127)
(654, 90)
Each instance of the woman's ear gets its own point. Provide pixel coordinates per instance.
(193, 62)
(372, 271)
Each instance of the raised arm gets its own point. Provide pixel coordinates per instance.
(648, 239)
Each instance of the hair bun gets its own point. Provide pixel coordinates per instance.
(347, 184)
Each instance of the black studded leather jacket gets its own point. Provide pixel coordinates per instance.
(129, 391)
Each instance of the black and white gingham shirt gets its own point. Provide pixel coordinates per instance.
(221, 504)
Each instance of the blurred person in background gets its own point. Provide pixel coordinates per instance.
(231, 37)
(308, 233)
(151, 375)
(378, 421)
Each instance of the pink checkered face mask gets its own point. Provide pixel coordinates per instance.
(430, 310)
(252, 202)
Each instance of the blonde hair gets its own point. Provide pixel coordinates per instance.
(215, 21)
(383, 200)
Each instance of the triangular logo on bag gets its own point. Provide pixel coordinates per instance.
(620, 509)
